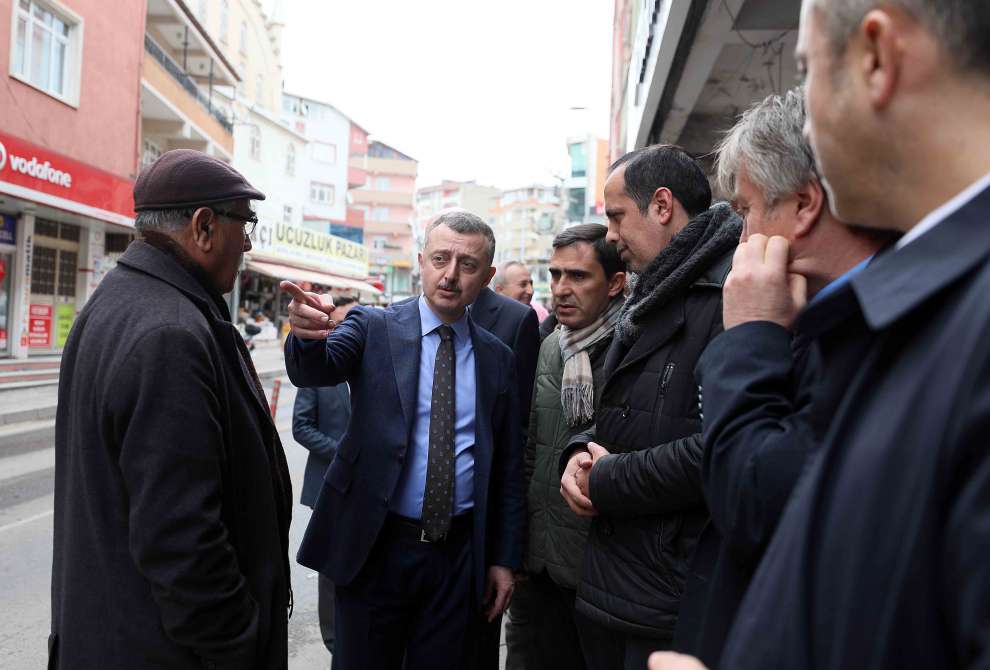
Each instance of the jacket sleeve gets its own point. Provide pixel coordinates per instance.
(312, 363)
(306, 424)
(660, 480)
(167, 418)
(526, 349)
(757, 431)
(508, 522)
(577, 443)
(965, 578)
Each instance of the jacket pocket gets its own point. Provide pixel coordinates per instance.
(339, 474)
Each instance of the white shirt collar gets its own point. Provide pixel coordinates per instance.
(944, 211)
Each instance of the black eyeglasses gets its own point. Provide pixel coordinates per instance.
(249, 221)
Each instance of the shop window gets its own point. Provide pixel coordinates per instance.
(69, 232)
(43, 271)
(46, 49)
(67, 263)
(45, 228)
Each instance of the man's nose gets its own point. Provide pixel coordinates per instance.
(612, 236)
(247, 243)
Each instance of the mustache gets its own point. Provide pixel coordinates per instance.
(452, 286)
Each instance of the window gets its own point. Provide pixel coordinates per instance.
(243, 37)
(224, 11)
(150, 152)
(382, 183)
(46, 51)
(380, 214)
(256, 143)
(287, 214)
(378, 243)
(322, 193)
(290, 160)
(324, 153)
(579, 160)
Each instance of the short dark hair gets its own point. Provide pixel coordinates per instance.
(345, 300)
(464, 222)
(669, 166)
(593, 234)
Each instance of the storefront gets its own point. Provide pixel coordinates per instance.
(314, 260)
(63, 225)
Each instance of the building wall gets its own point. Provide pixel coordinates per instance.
(525, 222)
(102, 130)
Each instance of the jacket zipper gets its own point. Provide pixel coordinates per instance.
(668, 372)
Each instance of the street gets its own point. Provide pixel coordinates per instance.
(26, 503)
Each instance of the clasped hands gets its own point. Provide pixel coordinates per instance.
(309, 313)
(575, 482)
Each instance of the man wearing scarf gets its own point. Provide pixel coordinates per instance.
(636, 471)
(587, 279)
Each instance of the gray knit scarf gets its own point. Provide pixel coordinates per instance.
(577, 388)
(705, 239)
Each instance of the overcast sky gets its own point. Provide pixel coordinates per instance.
(473, 89)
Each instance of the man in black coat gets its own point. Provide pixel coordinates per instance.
(767, 401)
(319, 421)
(172, 495)
(880, 558)
(646, 495)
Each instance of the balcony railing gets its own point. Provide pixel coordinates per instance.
(186, 82)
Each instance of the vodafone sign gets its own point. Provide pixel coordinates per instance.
(35, 173)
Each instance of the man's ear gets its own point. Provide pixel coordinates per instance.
(663, 203)
(202, 226)
(491, 273)
(616, 284)
(811, 202)
(880, 55)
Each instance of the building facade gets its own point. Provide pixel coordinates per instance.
(70, 127)
(525, 221)
(324, 166)
(584, 187)
(387, 201)
(683, 71)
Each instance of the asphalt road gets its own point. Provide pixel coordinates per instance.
(26, 502)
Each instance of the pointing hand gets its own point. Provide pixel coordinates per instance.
(309, 313)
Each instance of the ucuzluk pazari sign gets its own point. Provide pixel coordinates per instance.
(309, 248)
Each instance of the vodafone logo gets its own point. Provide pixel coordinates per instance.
(35, 168)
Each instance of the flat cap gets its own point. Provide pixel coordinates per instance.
(185, 178)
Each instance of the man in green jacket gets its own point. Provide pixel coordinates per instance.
(587, 282)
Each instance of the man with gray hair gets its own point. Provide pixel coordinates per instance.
(880, 558)
(766, 402)
(420, 519)
(172, 495)
(514, 280)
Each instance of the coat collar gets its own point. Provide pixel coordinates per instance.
(900, 280)
(163, 266)
(405, 341)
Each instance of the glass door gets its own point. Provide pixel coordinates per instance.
(6, 280)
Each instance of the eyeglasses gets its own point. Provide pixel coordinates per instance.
(249, 221)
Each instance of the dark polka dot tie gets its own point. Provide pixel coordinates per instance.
(438, 496)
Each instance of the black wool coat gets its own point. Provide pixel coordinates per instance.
(648, 492)
(172, 495)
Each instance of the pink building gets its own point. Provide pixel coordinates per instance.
(70, 127)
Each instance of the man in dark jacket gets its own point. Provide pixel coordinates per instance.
(646, 494)
(587, 282)
(880, 557)
(319, 421)
(767, 401)
(172, 496)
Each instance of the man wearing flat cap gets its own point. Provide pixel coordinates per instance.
(172, 495)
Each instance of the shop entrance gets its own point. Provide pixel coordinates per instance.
(54, 269)
(6, 280)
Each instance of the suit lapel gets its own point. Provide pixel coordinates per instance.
(484, 367)
(405, 343)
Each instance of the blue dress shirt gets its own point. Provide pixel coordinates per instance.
(408, 497)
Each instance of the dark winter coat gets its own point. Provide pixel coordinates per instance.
(880, 559)
(648, 491)
(556, 535)
(172, 496)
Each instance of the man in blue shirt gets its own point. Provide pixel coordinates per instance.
(421, 514)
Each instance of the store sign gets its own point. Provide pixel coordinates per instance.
(301, 246)
(40, 327)
(8, 230)
(36, 173)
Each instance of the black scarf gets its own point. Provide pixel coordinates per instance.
(705, 239)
